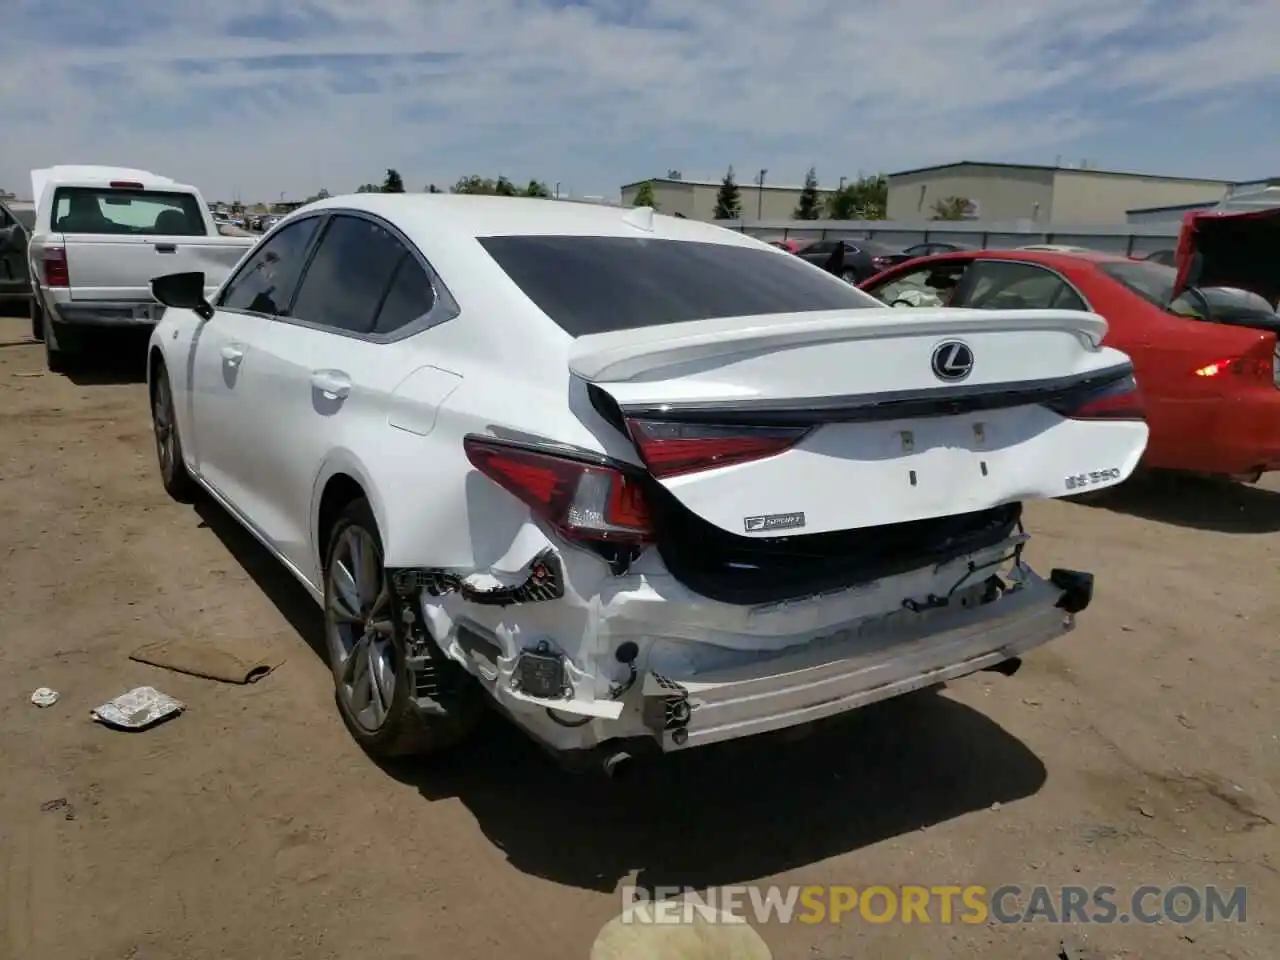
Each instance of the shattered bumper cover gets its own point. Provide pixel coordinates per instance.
(825, 679)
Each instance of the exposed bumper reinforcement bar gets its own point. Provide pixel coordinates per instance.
(823, 680)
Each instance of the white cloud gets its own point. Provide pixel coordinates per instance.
(270, 97)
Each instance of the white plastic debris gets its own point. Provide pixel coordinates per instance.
(139, 708)
(44, 697)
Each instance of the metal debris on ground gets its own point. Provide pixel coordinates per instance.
(138, 709)
(44, 697)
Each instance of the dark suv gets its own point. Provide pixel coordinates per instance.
(16, 222)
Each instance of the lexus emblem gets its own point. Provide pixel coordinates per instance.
(952, 361)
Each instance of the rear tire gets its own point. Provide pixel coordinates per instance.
(59, 346)
(368, 649)
(37, 321)
(173, 468)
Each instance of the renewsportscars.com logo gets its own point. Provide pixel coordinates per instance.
(940, 904)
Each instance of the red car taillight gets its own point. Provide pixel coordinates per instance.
(671, 449)
(1258, 363)
(1119, 400)
(583, 500)
(54, 262)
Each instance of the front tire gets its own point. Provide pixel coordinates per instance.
(173, 468)
(368, 648)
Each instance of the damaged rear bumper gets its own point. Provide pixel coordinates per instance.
(826, 679)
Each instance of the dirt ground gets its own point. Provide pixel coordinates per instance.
(1143, 749)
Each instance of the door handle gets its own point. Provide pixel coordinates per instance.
(334, 384)
(233, 353)
(166, 248)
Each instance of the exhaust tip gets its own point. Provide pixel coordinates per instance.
(618, 765)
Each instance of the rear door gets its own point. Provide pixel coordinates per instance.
(767, 397)
(329, 368)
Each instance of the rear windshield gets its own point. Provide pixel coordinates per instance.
(598, 284)
(1150, 280)
(146, 213)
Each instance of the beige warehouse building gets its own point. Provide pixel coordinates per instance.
(1013, 191)
(696, 199)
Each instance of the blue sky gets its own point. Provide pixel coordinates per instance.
(260, 98)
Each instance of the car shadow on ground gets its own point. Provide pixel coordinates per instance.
(716, 815)
(733, 812)
(1201, 503)
(105, 357)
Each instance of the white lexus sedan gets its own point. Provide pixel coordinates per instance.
(641, 482)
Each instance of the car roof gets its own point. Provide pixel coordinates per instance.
(466, 215)
(1047, 257)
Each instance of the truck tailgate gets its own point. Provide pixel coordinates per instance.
(120, 268)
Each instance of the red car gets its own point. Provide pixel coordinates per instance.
(1211, 387)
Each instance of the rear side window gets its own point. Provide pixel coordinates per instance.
(597, 284)
(1007, 285)
(346, 279)
(146, 213)
(266, 281)
(409, 297)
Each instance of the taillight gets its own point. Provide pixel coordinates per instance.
(1260, 365)
(670, 449)
(56, 273)
(583, 500)
(126, 184)
(1119, 400)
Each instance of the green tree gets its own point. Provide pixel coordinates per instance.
(864, 199)
(472, 184)
(536, 188)
(951, 208)
(392, 183)
(432, 188)
(505, 188)
(322, 195)
(369, 188)
(729, 199)
(810, 205)
(644, 196)
(674, 175)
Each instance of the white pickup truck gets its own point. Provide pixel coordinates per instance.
(101, 234)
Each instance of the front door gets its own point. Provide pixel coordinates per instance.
(230, 369)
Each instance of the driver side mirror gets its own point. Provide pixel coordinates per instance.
(183, 291)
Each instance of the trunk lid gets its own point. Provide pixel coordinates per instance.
(827, 421)
(1230, 249)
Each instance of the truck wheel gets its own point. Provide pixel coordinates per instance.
(173, 469)
(367, 648)
(37, 321)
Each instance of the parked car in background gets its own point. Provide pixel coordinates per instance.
(1056, 248)
(16, 221)
(1206, 357)
(927, 249)
(851, 260)
(101, 234)
(791, 246)
(594, 464)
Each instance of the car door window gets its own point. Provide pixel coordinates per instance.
(266, 282)
(929, 286)
(409, 297)
(1007, 285)
(349, 275)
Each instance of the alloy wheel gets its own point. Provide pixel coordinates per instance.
(162, 419)
(359, 628)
